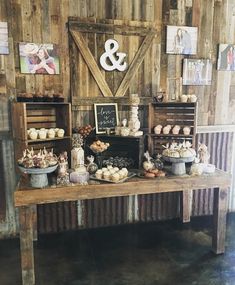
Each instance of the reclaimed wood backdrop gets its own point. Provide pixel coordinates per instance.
(45, 21)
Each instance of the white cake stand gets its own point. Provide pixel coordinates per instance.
(178, 164)
(38, 176)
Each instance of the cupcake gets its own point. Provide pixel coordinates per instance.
(109, 167)
(115, 177)
(51, 133)
(166, 130)
(112, 171)
(122, 174)
(124, 169)
(98, 174)
(104, 169)
(157, 129)
(186, 131)
(116, 169)
(106, 175)
(60, 133)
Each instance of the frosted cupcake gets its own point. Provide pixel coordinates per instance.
(109, 167)
(122, 174)
(115, 177)
(112, 171)
(116, 169)
(106, 175)
(104, 169)
(125, 171)
(98, 174)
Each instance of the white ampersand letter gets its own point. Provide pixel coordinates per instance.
(114, 62)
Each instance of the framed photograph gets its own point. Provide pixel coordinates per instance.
(39, 58)
(197, 72)
(181, 40)
(226, 57)
(4, 47)
(106, 116)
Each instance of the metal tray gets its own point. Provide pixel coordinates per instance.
(130, 175)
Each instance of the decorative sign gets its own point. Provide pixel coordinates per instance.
(111, 59)
(106, 116)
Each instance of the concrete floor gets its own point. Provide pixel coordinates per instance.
(163, 253)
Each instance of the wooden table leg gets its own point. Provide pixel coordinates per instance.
(26, 219)
(219, 220)
(186, 205)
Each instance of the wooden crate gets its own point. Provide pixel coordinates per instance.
(130, 147)
(41, 115)
(172, 113)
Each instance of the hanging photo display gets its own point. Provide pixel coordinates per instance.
(4, 47)
(181, 40)
(39, 58)
(197, 72)
(226, 58)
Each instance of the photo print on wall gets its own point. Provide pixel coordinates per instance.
(197, 72)
(181, 40)
(39, 58)
(4, 47)
(226, 57)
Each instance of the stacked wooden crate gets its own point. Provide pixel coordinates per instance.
(171, 113)
(41, 115)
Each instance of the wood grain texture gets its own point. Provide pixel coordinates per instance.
(136, 186)
(91, 63)
(219, 219)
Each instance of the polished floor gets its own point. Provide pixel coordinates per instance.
(163, 253)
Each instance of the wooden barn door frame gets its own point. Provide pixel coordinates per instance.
(76, 28)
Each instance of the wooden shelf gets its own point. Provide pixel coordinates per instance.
(172, 135)
(171, 113)
(47, 139)
(26, 115)
(44, 103)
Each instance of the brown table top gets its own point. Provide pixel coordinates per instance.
(24, 195)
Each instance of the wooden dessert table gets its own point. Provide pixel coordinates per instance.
(27, 198)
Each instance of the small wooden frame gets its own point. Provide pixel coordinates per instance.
(106, 116)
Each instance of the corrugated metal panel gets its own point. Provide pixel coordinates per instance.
(220, 146)
(105, 212)
(57, 217)
(156, 207)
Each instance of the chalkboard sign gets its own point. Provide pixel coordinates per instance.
(106, 116)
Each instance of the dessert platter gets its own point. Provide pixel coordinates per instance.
(112, 174)
(178, 154)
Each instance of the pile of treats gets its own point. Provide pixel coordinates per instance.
(43, 133)
(154, 173)
(178, 150)
(42, 159)
(111, 173)
(83, 131)
(99, 146)
(119, 162)
(40, 97)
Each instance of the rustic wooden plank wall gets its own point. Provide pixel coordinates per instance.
(45, 21)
